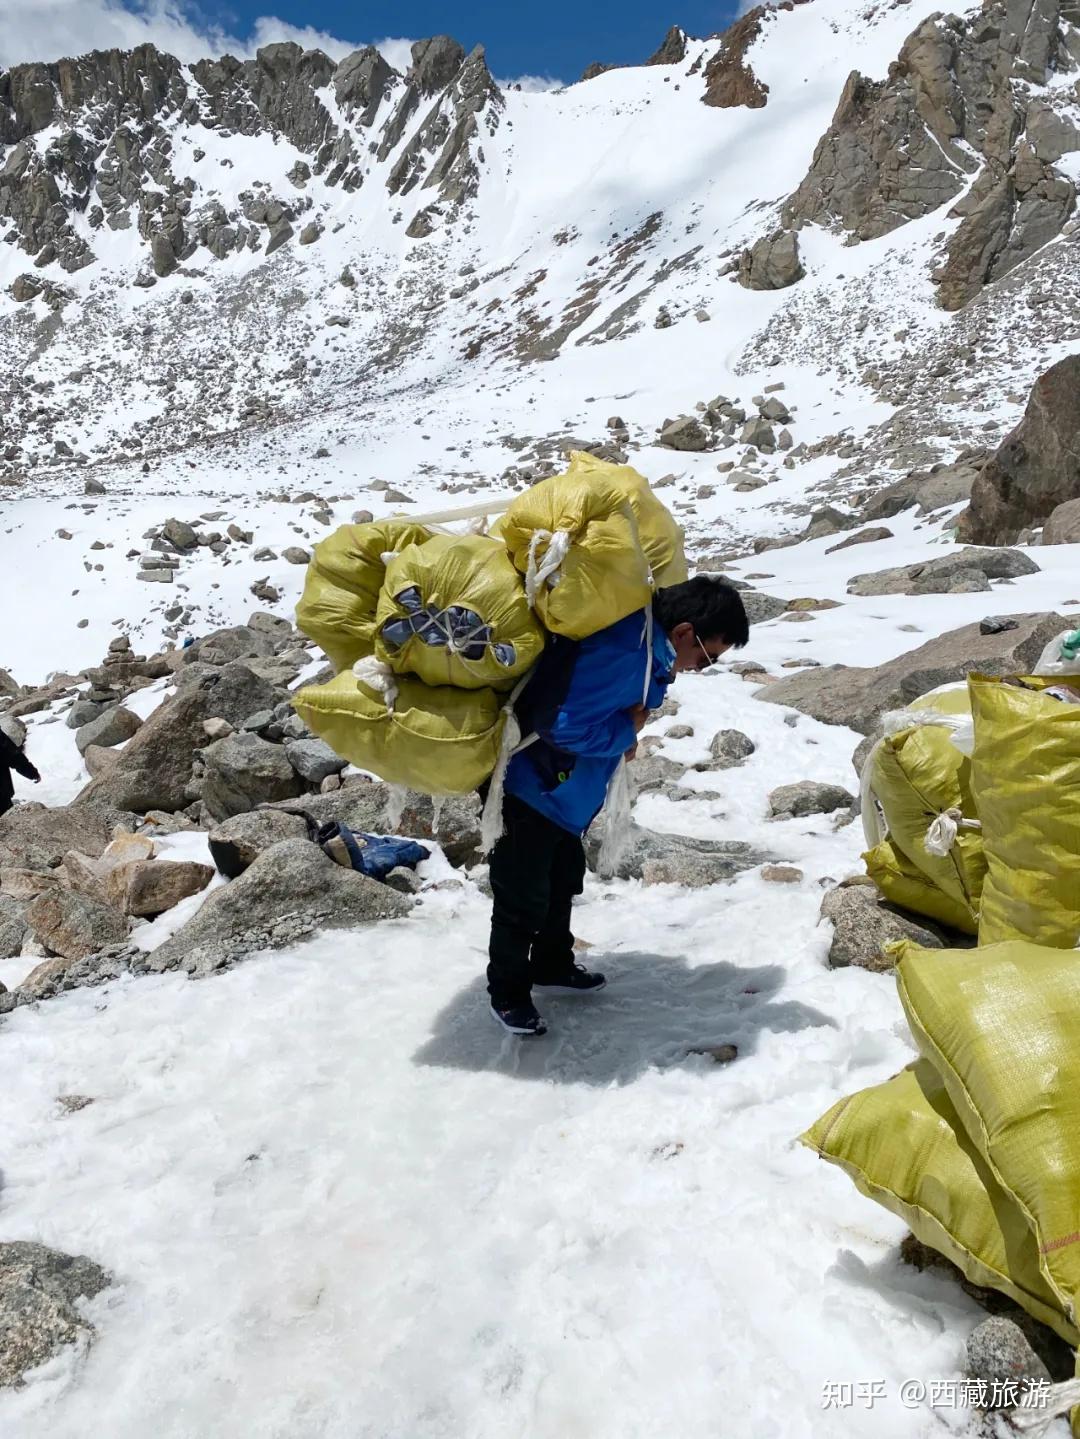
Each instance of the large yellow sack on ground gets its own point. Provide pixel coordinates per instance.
(341, 591)
(904, 884)
(999, 1025)
(903, 1145)
(621, 544)
(453, 612)
(1026, 783)
(437, 740)
(915, 774)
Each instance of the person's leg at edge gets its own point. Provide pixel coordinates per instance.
(521, 877)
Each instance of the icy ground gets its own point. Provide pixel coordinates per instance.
(337, 1202)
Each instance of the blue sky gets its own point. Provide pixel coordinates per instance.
(552, 41)
(557, 37)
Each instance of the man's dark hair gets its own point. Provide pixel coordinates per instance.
(710, 604)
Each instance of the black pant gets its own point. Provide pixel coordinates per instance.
(536, 869)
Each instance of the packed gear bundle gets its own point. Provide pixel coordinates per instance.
(435, 634)
(976, 1146)
(971, 804)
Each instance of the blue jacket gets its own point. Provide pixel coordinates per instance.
(577, 702)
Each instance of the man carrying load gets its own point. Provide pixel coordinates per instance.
(582, 711)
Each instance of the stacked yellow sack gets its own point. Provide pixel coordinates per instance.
(1026, 783)
(977, 1145)
(341, 592)
(593, 544)
(445, 626)
(911, 778)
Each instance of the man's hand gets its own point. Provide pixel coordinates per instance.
(631, 753)
(640, 716)
(37, 779)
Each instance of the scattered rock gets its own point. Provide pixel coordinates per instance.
(728, 749)
(999, 1353)
(675, 859)
(868, 536)
(1063, 525)
(237, 843)
(760, 607)
(858, 697)
(40, 1294)
(290, 891)
(939, 575)
(243, 771)
(864, 925)
(313, 760)
(180, 534)
(781, 874)
(73, 925)
(111, 728)
(685, 433)
(807, 796)
(149, 887)
(771, 263)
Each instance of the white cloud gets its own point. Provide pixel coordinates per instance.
(532, 84)
(52, 29)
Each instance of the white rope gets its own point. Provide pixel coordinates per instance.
(941, 836)
(1047, 1406)
(547, 570)
(510, 744)
(873, 820)
(379, 677)
(388, 556)
(396, 796)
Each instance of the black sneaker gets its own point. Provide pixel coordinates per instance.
(521, 1019)
(575, 980)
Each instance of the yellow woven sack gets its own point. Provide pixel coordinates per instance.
(593, 543)
(453, 612)
(1026, 783)
(904, 884)
(903, 1145)
(915, 775)
(341, 591)
(440, 740)
(1000, 1027)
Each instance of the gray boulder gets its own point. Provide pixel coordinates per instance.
(807, 796)
(290, 891)
(180, 534)
(858, 697)
(999, 1353)
(728, 749)
(868, 536)
(863, 925)
(1063, 526)
(154, 769)
(771, 263)
(83, 711)
(243, 771)
(652, 772)
(111, 728)
(1037, 466)
(363, 805)
(236, 843)
(760, 608)
(40, 1290)
(675, 858)
(685, 433)
(313, 760)
(12, 926)
(33, 837)
(74, 925)
(758, 432)
(222, 647)
(937, 576)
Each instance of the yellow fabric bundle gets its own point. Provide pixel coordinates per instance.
(621, 544)
(977, 1146)
(440, 740)
(915, 775)
(453, 612)
(341, 592)
(1026, 783)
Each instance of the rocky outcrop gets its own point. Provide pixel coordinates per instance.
(864, 926)
(113, 116)
(954, 105)
(858, 697)
(729, 80)
(672, 49)
(1036, 468)
(966, 571)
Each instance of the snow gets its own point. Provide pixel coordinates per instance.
(335, 1201)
